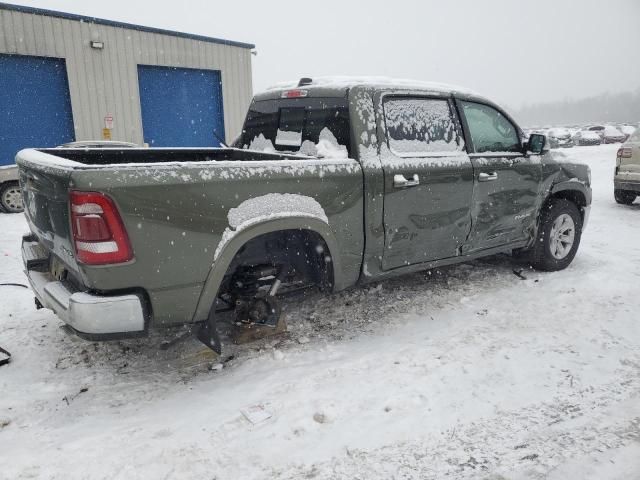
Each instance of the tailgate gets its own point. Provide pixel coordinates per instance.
(46, 206)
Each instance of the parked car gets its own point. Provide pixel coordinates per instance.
(560, 138)
(599, 129)
(10, 191)
(627, 130)
(613, 135)
(339, 182)
(586, 137)
(626, 180)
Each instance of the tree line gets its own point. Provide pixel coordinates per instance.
(613, 108)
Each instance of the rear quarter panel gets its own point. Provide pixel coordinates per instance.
(176, 215)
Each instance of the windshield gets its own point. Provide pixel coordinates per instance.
(309, 126)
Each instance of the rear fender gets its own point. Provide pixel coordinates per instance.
(232, 246)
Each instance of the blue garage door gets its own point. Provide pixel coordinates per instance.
(35, 109)
(181, 107)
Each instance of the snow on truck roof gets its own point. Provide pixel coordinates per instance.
(342, 82)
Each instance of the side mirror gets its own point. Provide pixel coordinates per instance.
(537, 144)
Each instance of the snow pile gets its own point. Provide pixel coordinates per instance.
(261, 144)
(274, 203)
(327, 146)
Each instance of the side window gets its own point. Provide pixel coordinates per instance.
(490, 130)
(420, 126)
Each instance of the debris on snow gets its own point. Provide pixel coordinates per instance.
(255, 414)
(319, 417)
(69, 398)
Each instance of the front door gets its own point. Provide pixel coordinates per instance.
(428, 180)
(506, 180)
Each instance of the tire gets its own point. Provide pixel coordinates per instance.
(11, 197)
(624, 197)
(560, 219)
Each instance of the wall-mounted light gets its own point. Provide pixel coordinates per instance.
(97, 45)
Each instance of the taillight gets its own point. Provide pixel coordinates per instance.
(98, 232)
(625, 152)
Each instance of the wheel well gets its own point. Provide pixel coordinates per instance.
(573, 196)
(303, 252)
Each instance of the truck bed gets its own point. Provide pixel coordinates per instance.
(175, 205)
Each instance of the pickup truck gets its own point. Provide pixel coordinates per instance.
(332, 183)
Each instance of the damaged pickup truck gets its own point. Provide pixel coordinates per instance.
(333, 182)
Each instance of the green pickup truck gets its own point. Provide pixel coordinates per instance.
(332, 183)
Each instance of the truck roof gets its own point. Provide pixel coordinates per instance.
(340, 84)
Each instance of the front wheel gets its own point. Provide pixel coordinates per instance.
(559, 233)
(11, 197)
(624, 197)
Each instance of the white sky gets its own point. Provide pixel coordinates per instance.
(512, 51)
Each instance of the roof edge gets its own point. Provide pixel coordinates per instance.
(114, 23)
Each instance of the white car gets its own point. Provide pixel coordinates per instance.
(559, 138)
(586, 137)
(613, 135)
(626, 181)
(10, 193)
(627, 130)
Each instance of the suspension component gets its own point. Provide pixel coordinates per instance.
(252, 292)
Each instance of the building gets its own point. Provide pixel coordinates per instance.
(66, 77)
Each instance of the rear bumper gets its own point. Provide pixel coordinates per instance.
(95, 317)
(626, 185)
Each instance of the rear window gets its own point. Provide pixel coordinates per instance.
(309, 126)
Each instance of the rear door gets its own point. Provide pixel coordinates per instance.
(506, 181)
(428, 179)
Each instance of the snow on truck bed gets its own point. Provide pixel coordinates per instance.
(467, 372)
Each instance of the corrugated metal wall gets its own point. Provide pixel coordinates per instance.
(105, 81)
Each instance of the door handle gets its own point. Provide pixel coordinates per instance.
(488, 177)
(400, 181)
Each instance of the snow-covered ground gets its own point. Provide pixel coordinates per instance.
(467, 372)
